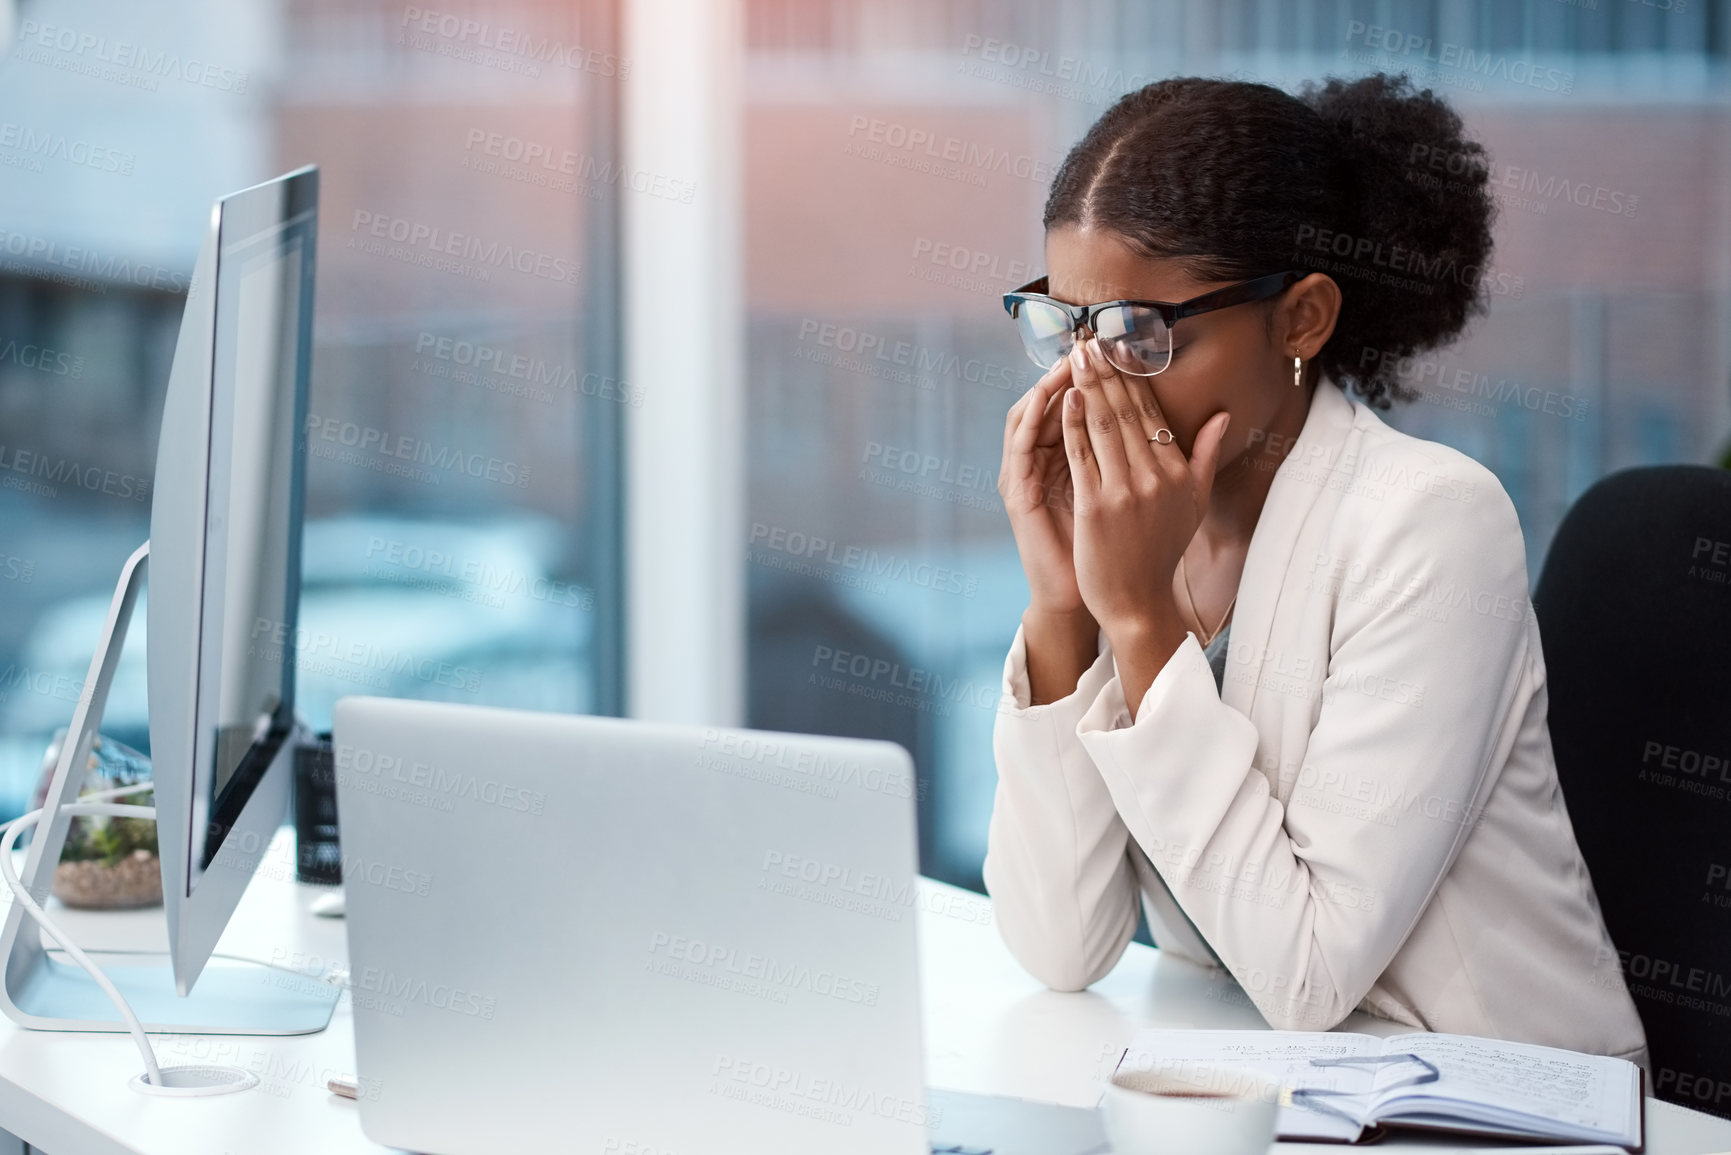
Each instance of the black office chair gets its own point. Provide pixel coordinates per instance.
(1634, 608)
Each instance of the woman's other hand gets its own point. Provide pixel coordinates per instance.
(1034, 481)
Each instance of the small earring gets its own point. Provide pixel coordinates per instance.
(1297, 373)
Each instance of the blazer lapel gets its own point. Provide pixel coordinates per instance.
(1298, 483)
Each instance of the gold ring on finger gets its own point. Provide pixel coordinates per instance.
(1162, 436)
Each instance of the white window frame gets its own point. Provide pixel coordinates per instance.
(685, 533)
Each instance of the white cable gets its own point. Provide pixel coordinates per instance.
(92, 804)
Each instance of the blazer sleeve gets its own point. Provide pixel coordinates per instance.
(1307, 903)
(1057, 865)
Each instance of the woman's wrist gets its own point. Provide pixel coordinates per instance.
(1060, 646)
(1142, 647)
(1077, 628)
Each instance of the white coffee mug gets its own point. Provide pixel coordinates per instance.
(1191, 1108)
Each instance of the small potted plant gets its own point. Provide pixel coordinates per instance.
(108, 863)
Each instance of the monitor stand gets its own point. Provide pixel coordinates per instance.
(43, 990)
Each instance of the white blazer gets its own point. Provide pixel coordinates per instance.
(1366, 814)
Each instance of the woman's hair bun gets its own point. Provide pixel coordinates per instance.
(1366, 180)
(1416, 213)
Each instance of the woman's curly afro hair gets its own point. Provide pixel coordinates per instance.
(1365, 180)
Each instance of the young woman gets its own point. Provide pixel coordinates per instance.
(1279, 677)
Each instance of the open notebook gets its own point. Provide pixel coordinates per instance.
(1439, 1082)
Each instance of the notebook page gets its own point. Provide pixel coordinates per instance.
(1281, 1055)
(1578, 1094)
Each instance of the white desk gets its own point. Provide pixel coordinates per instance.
(989, 1028)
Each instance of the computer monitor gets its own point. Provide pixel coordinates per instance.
(224, 566)
(225, 532)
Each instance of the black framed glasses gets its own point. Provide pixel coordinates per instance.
(1136, 336)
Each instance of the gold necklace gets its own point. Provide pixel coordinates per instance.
(1184, 576)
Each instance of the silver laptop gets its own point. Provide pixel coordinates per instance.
(598, 935)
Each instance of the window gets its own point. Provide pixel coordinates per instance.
(899, 156)
(462, 523)
(464, 507)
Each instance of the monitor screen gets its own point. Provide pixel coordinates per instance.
(251, 581)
